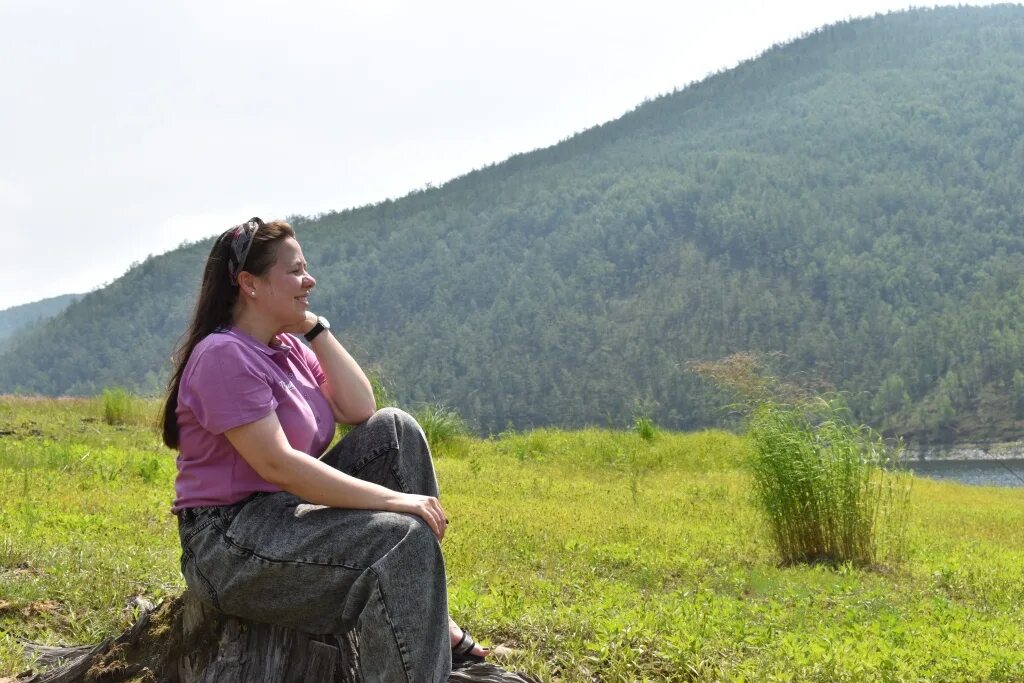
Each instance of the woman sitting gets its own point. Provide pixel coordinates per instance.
(273, 528)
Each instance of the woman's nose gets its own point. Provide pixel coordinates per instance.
(309, 282)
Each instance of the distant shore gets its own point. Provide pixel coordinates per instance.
(997, 450)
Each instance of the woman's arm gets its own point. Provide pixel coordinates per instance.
(265, 447)
(347, 389)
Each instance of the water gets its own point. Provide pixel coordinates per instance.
(979, 472)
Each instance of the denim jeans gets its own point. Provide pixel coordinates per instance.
(271, 558)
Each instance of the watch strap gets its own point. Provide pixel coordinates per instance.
(321, 325)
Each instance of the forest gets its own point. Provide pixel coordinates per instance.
(847, 204)
(15, 318)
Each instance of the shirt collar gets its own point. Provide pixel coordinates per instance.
(281, 345)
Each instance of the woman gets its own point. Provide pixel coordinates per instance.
(349, 540)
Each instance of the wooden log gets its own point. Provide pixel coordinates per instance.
(186, 641)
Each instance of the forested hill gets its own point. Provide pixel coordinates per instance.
(17, 318)
(851, 200)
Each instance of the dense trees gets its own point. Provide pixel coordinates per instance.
(17, 318)
(849, 200)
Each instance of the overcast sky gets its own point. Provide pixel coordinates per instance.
(128, 127)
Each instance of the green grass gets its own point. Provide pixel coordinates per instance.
(830, 491)
(444, 428)
(646, 428)
(598, 554)
(117, 406)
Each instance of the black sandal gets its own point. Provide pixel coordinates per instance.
(462, 651)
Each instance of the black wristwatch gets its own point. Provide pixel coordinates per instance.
(321, 325)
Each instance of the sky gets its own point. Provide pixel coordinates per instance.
(128, 128)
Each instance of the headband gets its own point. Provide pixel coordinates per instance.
(242, 237)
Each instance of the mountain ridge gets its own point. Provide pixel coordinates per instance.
(840, 199)
(16, 318)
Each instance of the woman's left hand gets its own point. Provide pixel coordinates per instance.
(302, 327)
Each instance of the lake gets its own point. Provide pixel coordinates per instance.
(999, 472)
(980, 464)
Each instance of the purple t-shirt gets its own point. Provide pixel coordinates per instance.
(231, 379)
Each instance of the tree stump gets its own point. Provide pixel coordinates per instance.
(186, 641)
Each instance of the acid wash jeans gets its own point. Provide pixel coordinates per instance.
(272, 558)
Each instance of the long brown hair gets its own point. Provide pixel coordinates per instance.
(214, 308)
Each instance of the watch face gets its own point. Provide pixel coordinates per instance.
(321, 325)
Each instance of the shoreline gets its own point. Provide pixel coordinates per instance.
(997, 450)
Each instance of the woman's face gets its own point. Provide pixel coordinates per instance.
(283, 291)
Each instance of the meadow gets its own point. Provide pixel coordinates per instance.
(598, 555)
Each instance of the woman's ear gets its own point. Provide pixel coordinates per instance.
(247, 284)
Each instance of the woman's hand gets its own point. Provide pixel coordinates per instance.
(303, 327)
(426, 508)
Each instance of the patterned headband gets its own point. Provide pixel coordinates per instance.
(242, 237)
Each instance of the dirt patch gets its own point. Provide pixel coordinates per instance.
(30, 610)
(40, 607)
(25, 429)
(21, 570)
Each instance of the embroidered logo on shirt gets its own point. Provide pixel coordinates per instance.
(286, 385)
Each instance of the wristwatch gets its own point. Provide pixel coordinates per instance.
(321, 325)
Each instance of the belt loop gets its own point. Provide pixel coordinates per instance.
(190, 515)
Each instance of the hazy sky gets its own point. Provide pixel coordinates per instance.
(128, 127)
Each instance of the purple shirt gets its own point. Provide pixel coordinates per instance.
(230, 380)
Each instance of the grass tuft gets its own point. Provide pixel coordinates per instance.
(444, 428)
(646, 428)
(118, 406)
(824, 487)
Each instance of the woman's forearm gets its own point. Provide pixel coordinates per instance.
(347, 387)
(321, 484)
(264, 446)
(318, 483)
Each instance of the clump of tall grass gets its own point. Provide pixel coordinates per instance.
(443, 427)
(118, 407)
(829, 490)
(645, 428)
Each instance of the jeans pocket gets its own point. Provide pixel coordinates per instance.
(194, 523)
(197, 581)
(226, 513)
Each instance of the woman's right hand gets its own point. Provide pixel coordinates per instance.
(426, 508)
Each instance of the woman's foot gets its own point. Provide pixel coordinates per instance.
(463, 644)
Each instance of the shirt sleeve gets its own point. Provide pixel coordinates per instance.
(227, 389)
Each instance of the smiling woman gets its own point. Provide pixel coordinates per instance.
(273, 528)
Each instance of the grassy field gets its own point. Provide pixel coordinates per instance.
(600, 555)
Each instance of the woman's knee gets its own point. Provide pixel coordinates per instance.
(403, 538)
(397, 415)
(402, 422)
